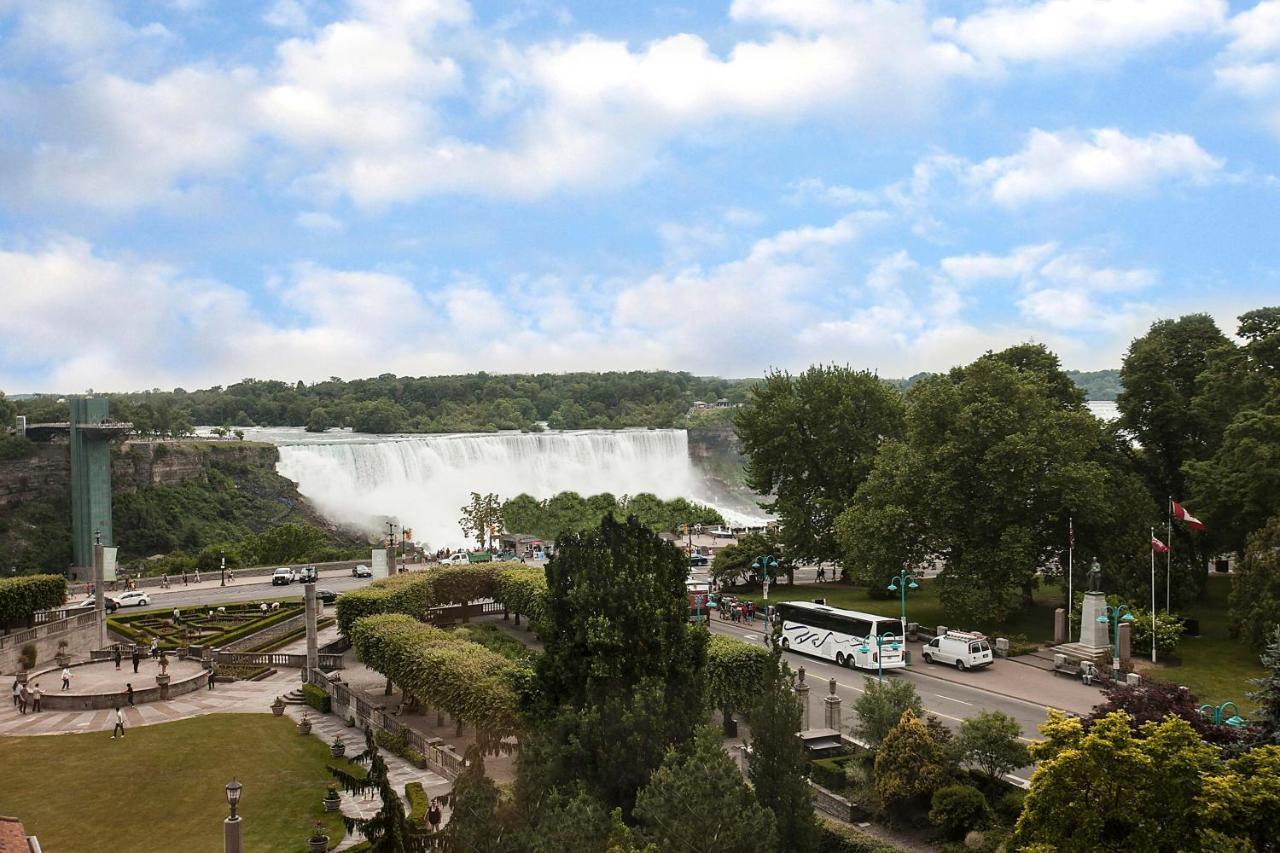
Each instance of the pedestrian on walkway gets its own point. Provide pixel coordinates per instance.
(155, 647)
(136, 657)
(117, 655)
(197, 576)
(119, 727)
(35, 698)
(17, 691)
(22, 699)
(433, 816)
(66, 678)
(184, 578)
(212, 677)
(128, 694)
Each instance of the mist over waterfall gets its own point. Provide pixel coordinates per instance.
(423, 480)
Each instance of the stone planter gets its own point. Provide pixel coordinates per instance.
(163, 681)
(337, 750)
(278, 710)
(318, 845)
(331, 805)
(304, 727)
(62, 659)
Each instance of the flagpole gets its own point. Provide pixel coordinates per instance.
(1168, 556)
(1071, 601)
(1153, 594)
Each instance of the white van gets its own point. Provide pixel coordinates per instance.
(962, 649)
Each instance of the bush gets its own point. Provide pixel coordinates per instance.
(881, 706)
(27, 656)
(317, 698)
(22, 596)
(958, 809)
(1009, 806)
(839, 838)
(1169, 630)
(830, 772)
(16, 447)
(419, 802)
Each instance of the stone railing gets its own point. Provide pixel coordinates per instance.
(296, 661)
(48, 629)
(448, 614)
(440, 756)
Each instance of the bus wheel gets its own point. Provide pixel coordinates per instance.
(786, 644)
(839, 658)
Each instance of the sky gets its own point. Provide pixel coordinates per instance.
(193, 192)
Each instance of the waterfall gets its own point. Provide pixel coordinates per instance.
(424, 480)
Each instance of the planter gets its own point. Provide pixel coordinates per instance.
(278, 710)
(304, 727)
(62, 659)
(331, 805)
(337, 750)
(318, 845)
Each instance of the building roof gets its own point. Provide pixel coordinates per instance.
(13, 837)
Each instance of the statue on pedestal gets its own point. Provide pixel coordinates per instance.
(1095, 577)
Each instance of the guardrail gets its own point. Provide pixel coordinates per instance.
(48, 629)
(296, 661)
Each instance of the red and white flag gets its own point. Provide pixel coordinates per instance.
(1186, 518)
(1158, 546)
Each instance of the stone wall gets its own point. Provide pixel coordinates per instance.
(81, 636)
(47, 474)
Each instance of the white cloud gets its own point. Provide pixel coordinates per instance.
(1064, 30)
(316, 220)
(1250, 64)
(1020, 263)
(1053, 165)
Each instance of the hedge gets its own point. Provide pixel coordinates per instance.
(734, 672)
(22, 596)
(467, 681)
(839, 838)
(414, 594)
(419, 803)
(523, 589)
(317, 698)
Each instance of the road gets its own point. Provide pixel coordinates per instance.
(249, 589)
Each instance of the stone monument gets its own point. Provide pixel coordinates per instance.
(1094, 644)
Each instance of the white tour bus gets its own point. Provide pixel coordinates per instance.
(839, 635)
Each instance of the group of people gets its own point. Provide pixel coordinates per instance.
(26, 697)
(732, 610)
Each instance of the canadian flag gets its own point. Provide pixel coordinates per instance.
(1158, 546)
(1186, 518)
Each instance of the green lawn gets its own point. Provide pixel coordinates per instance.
(1214, 666)
(924, 607)
(162, 788)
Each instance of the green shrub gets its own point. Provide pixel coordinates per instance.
(1009, 806)
(417, 759)
(840, 838)
(16, 447)
(419, 802)
(317, 698)
(22, 596)
(830, 772)
(27, 656)
(958, 809)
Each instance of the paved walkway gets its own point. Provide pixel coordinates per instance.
(103, 677)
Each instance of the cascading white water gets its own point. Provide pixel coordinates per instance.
(424, 480)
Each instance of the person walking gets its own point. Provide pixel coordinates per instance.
(155, 647)
(128, 694)
(212, 677)
(17, 691)
(184, 578)
(35, 698)
(433, 816)
(136, 657)
(22, 699)
(119, 727)
(117, 655)
(66, 678)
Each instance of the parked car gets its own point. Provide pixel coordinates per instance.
(328, 596)
(458, 559)
(698, 560)
(362, 572)
(136, 598)
(283, 577)
(108, 602)
(961, 649)
(308, 574)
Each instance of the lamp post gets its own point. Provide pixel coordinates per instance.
(1113, 614)
(880, 641)
(900, 584)
(762, 564)
(1218, 713)
(222, 560)
(233, 826)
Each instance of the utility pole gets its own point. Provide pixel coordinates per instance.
(391, 548)
(99, 598)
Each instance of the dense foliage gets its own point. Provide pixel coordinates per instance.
(1255, 588)
(776, 763)
(478, 402)
(809, 441)
(20, 597)
(569, 512)
(881, 706)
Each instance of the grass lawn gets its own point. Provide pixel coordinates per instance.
(924, 607)
(1215, 667)
(162, 788)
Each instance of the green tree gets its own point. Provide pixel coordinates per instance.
(1255, 587)
(958, 809)
(809, 441)
(1239, 486)
(621, 678)
(777, 764)
(1267, 693)
(379, 416)
(482, 517)
(474, 825)
(990, 742)
(732, 565)
(523, 514)
(577, 824)
(284, 543)
(319, 420)
(697, 802)
(1242, 801)
(993, 462)
(1109, 788)
(881, 706)
(910, 764)
(387, 831)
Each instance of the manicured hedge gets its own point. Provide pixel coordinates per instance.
(22, 596)
(838, 838)
(416, 593)
(317, 698)
(523, 589)
(734, 672)
(467, 681)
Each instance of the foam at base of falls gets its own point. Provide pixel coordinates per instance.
(424, 480)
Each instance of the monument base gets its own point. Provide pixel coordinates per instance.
(1100, 657)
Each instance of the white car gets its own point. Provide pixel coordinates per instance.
(108, 603)
(961, 649)
(283, 577)
(136, 598)
(361, 572)
(457, 559)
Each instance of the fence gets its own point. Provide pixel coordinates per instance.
(48, 629)
(296, 661)
(440, 757)
(447, 614)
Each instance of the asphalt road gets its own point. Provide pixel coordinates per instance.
(211, 593)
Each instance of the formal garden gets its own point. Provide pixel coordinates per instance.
(215, 625)
(162, 788)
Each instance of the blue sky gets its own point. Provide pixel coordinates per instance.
(196, 192)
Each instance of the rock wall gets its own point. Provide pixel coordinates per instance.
(46, 474)
(718, 452)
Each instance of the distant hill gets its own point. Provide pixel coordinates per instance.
(1097, 384)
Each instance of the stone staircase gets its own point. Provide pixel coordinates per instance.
(294, 697)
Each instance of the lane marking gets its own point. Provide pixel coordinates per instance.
(949, 699)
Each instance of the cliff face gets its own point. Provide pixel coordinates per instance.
(718, 452)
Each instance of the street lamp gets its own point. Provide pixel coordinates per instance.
(1113, 614)
(1218, 713)
(900, 584)
(880, 641)
(762, 564)
(233, 827)
(222, 558)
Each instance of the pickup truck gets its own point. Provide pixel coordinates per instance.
(283, 577)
